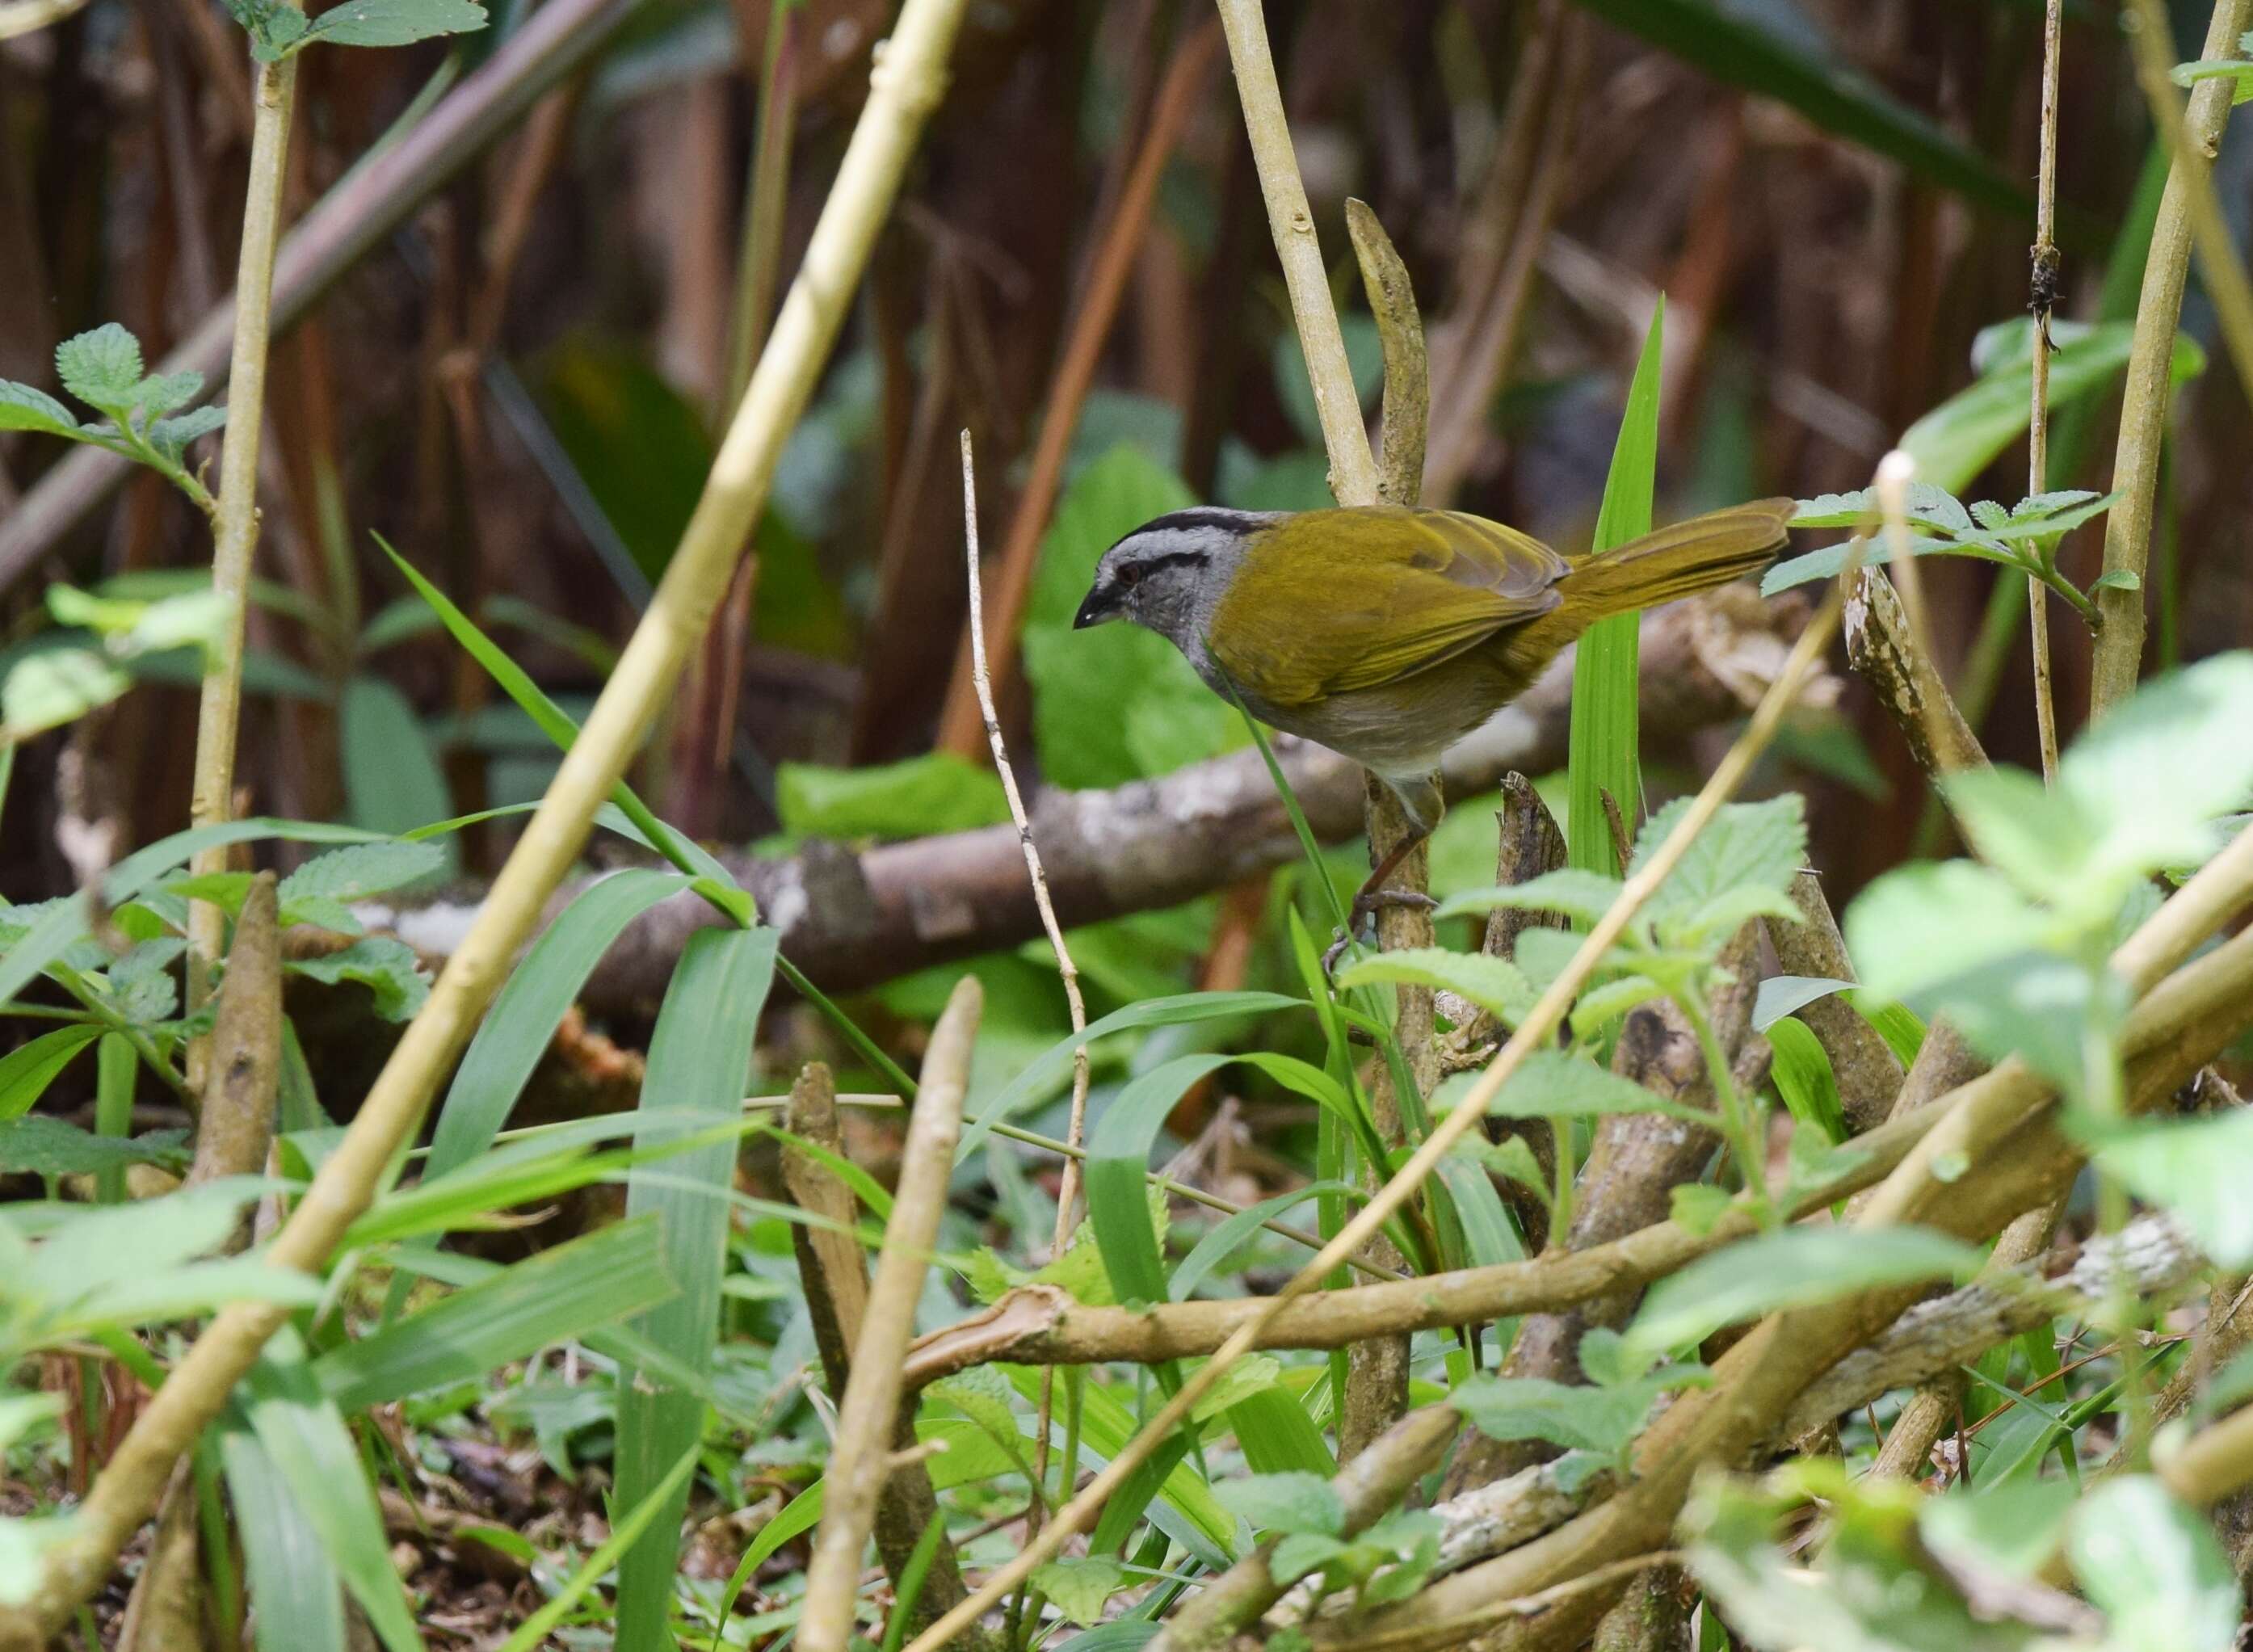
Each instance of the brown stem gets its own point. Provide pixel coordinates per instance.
(870, 1415)
(836, 1280)
(1869, 1074)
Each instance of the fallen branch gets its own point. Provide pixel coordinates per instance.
(850, 920)
(868, 1416)
(1041, 1325)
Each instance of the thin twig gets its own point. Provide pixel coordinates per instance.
(860, 1459)
(1534, 1032)
(904, 85)
(1076, 1130)
(235, 526)
(2044, 299)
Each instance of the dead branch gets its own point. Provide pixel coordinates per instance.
(835, 1277)
(851, 919)
(868, 1415)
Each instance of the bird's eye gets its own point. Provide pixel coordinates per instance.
(1130, 574)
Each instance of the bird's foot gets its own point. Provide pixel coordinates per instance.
(1362, 916)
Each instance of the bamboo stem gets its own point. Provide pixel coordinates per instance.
(904, 85)
(2149, 389)
(219, 714)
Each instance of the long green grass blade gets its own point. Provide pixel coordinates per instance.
(626, 1535)
(700, 1061)
(310, 1448)
(556, 1296)
(1604, 752)
(298, 1593)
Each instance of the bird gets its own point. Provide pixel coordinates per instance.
(1388, 632)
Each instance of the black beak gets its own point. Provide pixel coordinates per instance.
(1102, 604)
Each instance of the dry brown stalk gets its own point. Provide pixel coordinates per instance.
(869, 1414)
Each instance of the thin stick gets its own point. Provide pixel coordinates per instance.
(904, 85)
(2044, 298)
(1076, 1130)
(862, 1460)
(1533, 1033)
(219, 714)
(2150, 385)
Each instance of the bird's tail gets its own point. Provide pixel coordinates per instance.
(1680, 560)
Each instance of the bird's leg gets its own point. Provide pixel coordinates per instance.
(1373, 895)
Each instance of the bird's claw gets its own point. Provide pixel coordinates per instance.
(1366, 905)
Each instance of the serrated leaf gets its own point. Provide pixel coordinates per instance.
(1581, 895)
(163, 392)
(386, 967)
(170, 437)
(1697, 1206)
(102, 368)
(1920, 925)
(1494, 984)
(377, 23)
(41, 1145)
(1301, 1552)
(2198, 1169)
(58, 686)
(1575, 1416)
(1741, 867)
(23, 408)
(1299, 1503)
(359, 870)
(1553, 1084)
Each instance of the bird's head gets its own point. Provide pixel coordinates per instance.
(1170, 573)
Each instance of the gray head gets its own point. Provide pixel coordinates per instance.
(1169, 574)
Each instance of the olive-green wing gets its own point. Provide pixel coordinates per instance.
(1328, 602)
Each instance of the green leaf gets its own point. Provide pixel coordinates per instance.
(26, 1070)
(1299, 1503)
(1782, 995)
(1552, 1084)
(1603, 749)
(313, 1451)
(2155, 1567)
(530, 1004)
(1583, 896)
(935, 793)
(1493, 984)
(353, 874)
(49, 1147)
(1793, 1268)
(386, 967)
(2010, 1526)
(1803, 1078)
(1758, 50)
(392, 783)
(556, 1296)
(699, 1059)
(1078, 1588)
(170, 437)
(2158, 769)
(2198, 1169)
(299, 1596)
(395, 22)
(1920, 925)
(102, 368)
(23, 407)
(58, 686)
(1574, 1417)
(1739, 868)
(2237, 69)
(1301, 1552)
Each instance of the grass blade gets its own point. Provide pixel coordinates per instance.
(1603, 755)
(299, 1596)
(626, 1537)
(700, 1061)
